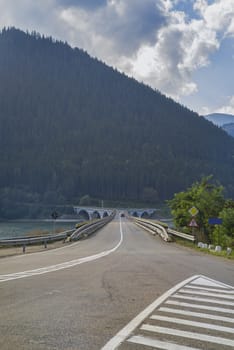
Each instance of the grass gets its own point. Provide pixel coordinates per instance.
(193, 246)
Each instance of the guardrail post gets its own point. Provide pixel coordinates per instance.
(24, 248)
(45, 243)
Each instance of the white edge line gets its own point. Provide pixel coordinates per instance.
(125, 332)
(67, 264)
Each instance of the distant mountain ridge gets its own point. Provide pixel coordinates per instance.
(72, 126)
(225, 121)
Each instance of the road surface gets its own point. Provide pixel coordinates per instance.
(79, 297)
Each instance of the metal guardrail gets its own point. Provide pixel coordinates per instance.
(160, 228)
(35, 240)
(90, 228)
(74, 234)
(181, 234)
(154, 227)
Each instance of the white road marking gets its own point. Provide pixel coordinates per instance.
(190, 335)
(196, 314)
(222, 296)
(205, 281)
(158, 344)
(124, 333)
(208, 300)
(65, 265)
(209, 289)
(202, 307)
(127, 333)
(193, 323)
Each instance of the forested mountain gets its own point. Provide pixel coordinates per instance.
(229, 128)
(70, 126)
(220, 119)
(225, 121)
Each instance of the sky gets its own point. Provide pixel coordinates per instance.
(183, 48)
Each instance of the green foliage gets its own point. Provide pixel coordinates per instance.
(207, 197)
(70, 125)
(224, 234)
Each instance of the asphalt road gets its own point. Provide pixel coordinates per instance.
(61, 299)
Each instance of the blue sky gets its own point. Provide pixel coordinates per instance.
(184, 48)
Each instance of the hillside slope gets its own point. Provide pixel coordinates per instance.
(70, 126)
(229, 128)
(225, 121)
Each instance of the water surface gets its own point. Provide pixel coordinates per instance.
(24, 228)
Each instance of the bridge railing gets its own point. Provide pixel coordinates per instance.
(161, 229)
(92, 227)
(36, 239)
(182, 235)
(153, 227)
(72, 235)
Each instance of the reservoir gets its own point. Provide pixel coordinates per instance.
(25, 228)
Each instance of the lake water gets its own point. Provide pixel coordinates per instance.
(23, 228)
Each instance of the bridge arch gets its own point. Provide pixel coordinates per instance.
(84, 214)
(105, 214)
(145, 215)
(96, 215)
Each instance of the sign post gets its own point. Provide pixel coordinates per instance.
(193, 212)
(54, 215)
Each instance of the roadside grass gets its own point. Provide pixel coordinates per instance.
(193, 246)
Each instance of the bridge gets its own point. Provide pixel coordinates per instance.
(142, 213)
(92, 213)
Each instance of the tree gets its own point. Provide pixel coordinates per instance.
(224, 234)
(206, 196)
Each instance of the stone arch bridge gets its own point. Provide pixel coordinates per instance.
(92, 213)
(142, 213)
(98, 213)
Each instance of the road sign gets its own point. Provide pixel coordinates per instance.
(193, 211)
(193, 223)
(215, 221)
(54, 215)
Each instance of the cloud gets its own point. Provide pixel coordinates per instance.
(119, 28)
(228, 108)
(87, 4)
(218, 16)
(152, 40)
(160, 42)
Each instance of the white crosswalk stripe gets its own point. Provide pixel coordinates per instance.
(206, 300)
(195, 315)
(202, 307)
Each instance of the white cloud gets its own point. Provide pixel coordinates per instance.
(149, 39)
(218, 16)
(228, 108)
(180, 49)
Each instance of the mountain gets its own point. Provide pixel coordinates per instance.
(220, 119)
(72, 126)
(225, 121)
(229, 128)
